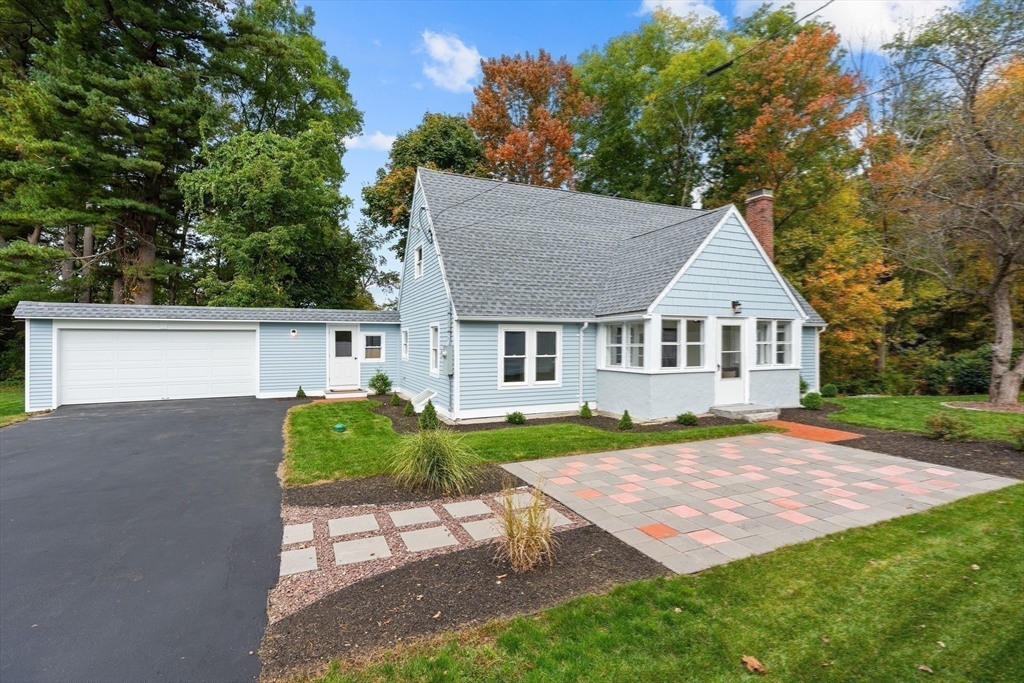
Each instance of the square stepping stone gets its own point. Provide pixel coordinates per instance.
(470, 508)
(297, 561)
(428, 539)
(352, 525)
(297, 533)
(483, 529)
(361, 550)
(522, 500)
(414, 516)
(557, 519)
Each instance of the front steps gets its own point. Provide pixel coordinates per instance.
(750, 412)
(345, 395)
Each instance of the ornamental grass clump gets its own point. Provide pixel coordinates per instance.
(525, 538)
(435, 460)
(948, 427)
(428, 418)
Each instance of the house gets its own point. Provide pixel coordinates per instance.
(513, 298)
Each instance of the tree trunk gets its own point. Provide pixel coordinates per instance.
(70, 244)
(144, 262)
(36, 234)
(1005, 383)
(88, 249)
(880, 356)
(117, 285)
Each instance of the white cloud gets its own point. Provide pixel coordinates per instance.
(453, 64)
(863, 24)
(377, 142)
(702, 8)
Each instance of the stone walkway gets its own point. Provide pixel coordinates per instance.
(696, 505)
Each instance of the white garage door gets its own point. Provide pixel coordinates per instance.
(103, 366)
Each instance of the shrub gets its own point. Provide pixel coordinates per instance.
(435, 460)
(829, 391)
(946, 426)
(970, 371)
(380, 383)
(585, 412)
(516, 418)
(935, 377)
(300, 393)
(804, 386)
(395, 401)
(1017, 437)
(625, 422)
(526, 538)
(408, 411)
(428, 418)
(687, 418)
(811, 401)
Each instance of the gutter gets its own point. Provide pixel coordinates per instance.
(584, 326)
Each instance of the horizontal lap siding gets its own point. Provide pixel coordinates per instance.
(809, 357)
(479, 368)
(780, 388)
(288, 362)
(730, 268)
(39, 364)
(368, 368)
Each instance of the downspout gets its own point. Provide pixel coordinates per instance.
(582, 327)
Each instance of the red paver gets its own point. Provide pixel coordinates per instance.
(828, 481)
(728, 516)
(770, 450)
(606, 467)
(754, 475)
(687, 449)
(726, 503)
(643, 456)
(751, 468)
(701, 484)
(707, 537)
(842, 493)
(659, 530)
(794, 461)
(898, 480)
(940, 484)
(633, 478)
(916, 490)
(577, 464)
(624, 498)
(892, 470)
(820, 473)
(851, 504)
(731, 456)
(629, 487)
(588, 493)
(870, 486)
(780, 492)
(654, 467)
(562, 481)
(936, 470)
(686, 470)
(849, 468)
(719, 473)
(610, 458)
(811, 433)
(668, 481)
(684, 511)
(795, 517)
(569, 470)
(785, 470)
(787, 503)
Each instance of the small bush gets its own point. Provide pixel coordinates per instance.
(804, 386)
(625, 422)
(516, 418)
(395, 401)
(1017, 437)
(687, 418)
(435, 460)
(946, 426)
(585, 412)
(300, 393)
(380, 383)
(811, 401)
(526, 538)
(829, 391)
(408, 411)
(428, 418)
(970, 371)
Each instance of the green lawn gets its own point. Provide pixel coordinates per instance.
(907, 413)
(316, 453)
(883, 596)
(12, 404)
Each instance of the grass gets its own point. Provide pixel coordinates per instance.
(12, 404)
(908, 413)
(883, 596)
(316, 453)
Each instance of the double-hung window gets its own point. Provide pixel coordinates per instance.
(613, 342)
(435, 349)
(624, 345)
(694, 343)
(635, 345)
(418, 262)
(373, 347)
(405, 344)
(764, 342)
(783, 343)
(682, 343)
(670, 343)
(530, 356)
(774, 342)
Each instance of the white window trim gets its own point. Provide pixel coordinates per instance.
(435, 358)
(682, 345)
(383, 345)
(774, 345)
(405, 343)
(530, 365)
(417, 262)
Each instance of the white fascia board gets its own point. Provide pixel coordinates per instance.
(539, 320)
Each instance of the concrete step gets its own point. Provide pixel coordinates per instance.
(348, 395)
(750, 412)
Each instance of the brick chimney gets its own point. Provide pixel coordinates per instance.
(758, 209)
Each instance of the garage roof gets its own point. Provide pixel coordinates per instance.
(42, 309)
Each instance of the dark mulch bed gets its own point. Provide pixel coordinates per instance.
(990, 457)
(409, 425)
(384, 490)
(463, 587)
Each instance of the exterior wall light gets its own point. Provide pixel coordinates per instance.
(737, 307)
(293, 332)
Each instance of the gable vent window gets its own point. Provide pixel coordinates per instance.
(418, 262)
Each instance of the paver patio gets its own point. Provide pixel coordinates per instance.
(695, 506)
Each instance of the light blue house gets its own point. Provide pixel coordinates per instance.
(513, 298)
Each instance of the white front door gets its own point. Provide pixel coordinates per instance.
(731, 373)
(344, 363)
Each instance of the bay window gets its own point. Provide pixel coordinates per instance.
(613, 339)
(634, 345)
(783, 343)
(670, 343)
(764, 342)
(694, 343)
(682, 343)
(774, 342)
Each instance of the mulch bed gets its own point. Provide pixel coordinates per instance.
(444, 593)
(990, 457)
(409, 425)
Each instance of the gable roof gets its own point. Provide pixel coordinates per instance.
(520, 251)
(43, 309)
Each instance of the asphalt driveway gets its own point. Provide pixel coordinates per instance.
(139, 540)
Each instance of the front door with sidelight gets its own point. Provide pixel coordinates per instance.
(344, 365)
(730, 378)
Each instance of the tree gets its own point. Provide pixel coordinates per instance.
(442, 142)
(524, 113)
(964, 190)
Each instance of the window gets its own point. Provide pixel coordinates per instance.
(405, 343)
(783, 343)
(694, 343)
(613, 342)
(514, 357)
(373, 347)
(547, 356)
(774, 342)
(731, 351)
(435, 350)
(635, 345)
(764, 342)
(343, 343)
(670, 344)
(529, 355)
(418, 262)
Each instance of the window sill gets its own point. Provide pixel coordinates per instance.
(527, 385)
(774, 367)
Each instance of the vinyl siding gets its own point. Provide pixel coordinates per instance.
(730, 268)
(422, 302)
(479, 370)
(39, 365)
(288, 362)
(654, 396)
(368, 368)
(809, 357)
(780, 388)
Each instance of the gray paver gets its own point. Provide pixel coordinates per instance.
(414, 516)
(352, 525)
(297, 533)
(296, 561)
(361, 550)
(469, 508)
(428, 539)
(482, 529)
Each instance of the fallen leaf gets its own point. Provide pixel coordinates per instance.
(922, 667)
(824, 639)
(975, 567)
(501, 576)
(753, 664)
(436, 615)
(940, 643)
(828, 663)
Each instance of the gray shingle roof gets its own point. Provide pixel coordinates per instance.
(813, 318)
(39, 309)
(512, 250)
